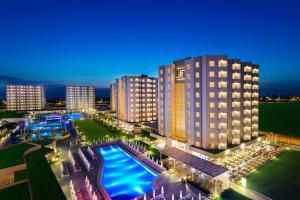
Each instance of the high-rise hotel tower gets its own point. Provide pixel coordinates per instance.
(25, 97)
(135, 98)
(208, 102)
(80, 98)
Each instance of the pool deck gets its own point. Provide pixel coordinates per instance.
(170, 182)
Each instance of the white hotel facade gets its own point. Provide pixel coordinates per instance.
(134, 98)
(80, 98)
(208, 102)
(25, 97)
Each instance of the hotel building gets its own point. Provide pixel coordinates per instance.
(135, 98)
(208, 102)
(80, 98)
(25, 97)
(113, 97)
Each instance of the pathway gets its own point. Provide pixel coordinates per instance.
(248, 192)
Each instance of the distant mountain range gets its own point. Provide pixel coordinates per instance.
(56, 90)
(53, 89)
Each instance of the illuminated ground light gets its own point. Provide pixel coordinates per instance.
(123, 176)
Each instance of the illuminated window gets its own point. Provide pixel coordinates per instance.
(211, 63)
(197, 64)
(212, 105)
(197, 85)
(211, 125)
(211, 115)
(197, 74)
(197, 95)
(236, 66)
(212, 95)
(222, 63)
(211, 84)
(211, 74)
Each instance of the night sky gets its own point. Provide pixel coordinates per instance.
(93, 42)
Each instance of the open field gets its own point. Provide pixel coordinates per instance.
(95, 130)
(11, 114)
(13, 155)
(16, 192)
(280, 118)
(278, 179)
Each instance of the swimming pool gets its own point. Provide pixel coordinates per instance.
(124, 177)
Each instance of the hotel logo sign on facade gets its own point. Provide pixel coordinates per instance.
(180, 74)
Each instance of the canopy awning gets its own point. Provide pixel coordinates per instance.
(195, 162)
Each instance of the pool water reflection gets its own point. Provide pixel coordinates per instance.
(124, 177)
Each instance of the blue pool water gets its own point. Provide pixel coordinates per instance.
(123, 176)
(46, 134)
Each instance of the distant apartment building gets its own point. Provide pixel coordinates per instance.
(25, 97)
(135, 98)
(113, 97)
(80, 98)
(208, 102)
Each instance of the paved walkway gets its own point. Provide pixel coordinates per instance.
(248, 192)
(173, 184)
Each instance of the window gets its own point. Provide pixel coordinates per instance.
(197, 64)
(211, 84)
(222, 94)
(212, 135)
(212, 95)
(212, 105)
(197, 114)
(236, 76)
(197, 75)
(211, 125)
(222, 63)
(188, 76)
(222, 74)
(211, 74)
(222, 84)
(197, 94)
(197, 104)
(188, 67)
(211, 63)
(211, 115)
(197, 85)
(236, 66)
(247, 69)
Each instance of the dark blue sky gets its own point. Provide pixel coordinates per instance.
(93, 42)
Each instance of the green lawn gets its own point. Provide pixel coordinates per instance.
(17, 192)
(95, 130)
(231, 195)
(279, 179)
(280, 118)
(11, 114)
(43, 181)
(13, 155)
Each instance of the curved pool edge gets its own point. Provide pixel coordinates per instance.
(100, 170)
(99, 177)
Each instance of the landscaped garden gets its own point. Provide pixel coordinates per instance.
(16, 192)
(11, 114)
(278, 179)
(280, 118)
(93, 130)
(13, 155)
